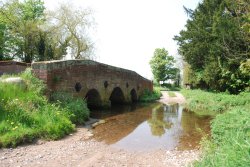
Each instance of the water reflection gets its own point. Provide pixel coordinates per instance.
(151, 127)
(157, 122)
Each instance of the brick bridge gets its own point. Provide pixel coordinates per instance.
(100, 84)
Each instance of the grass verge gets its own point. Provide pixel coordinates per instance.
(149, 96)
(77, 108)
(207, 103)
(26, 114)
(171, 94)
(230, 131)
(167, 88)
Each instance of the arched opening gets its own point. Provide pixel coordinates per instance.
(133, 96)
(93, 99)
(117, 96)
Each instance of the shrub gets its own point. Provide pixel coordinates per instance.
(34, 84)
(76, 107)
(149, 96)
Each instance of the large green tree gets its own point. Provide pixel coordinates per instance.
(162, 65)
(215, 43)
(22, 22)
(29, 34)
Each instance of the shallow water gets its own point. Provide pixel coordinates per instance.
(148, 127)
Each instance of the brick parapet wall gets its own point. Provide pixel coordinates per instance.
(12, 67)
(63, 76)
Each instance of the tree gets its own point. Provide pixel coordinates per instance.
(215, 43)
(29, 34)
(68, 27)
(22, 22)
(162, 65)
(2, 40)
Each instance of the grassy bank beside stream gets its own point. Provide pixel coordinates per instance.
(150, 96)
(26, 114)
(229, 144)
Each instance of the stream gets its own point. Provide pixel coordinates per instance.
(141, 127)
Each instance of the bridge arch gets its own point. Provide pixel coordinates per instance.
(93, 99)
(133, 95)
(117, 96)
(78, 77)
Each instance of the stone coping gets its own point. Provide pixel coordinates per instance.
(10, 62)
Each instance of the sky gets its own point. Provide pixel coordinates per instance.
(128, 31)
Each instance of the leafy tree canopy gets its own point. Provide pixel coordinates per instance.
(68, 27)
(162, 65)
(215, 43)
(28, 34)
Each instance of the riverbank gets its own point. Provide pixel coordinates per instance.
(230, 141)
(78, 150)
(148, 96)
(26, 114)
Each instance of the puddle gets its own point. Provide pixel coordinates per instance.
(155, 126)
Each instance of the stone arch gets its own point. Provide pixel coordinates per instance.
(133, 95)
(117, 96)
(93, 99)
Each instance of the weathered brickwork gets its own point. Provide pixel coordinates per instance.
(12, 67)
(81, 76)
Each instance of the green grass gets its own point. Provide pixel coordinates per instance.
(150, 96)
(26, 114)
(229, 144)
(77, 108)
(207, 103)
(167, 88)
(230, 140)
(171, 94)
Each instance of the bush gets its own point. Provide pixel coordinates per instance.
(76, 107)
(149, 96)
(33, 84)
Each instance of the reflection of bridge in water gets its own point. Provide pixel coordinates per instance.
(99, 83)
(120, 121)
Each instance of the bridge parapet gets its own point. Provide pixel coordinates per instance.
(12, 67)
(100, 83)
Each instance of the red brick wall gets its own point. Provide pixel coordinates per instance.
(12, 67)
(63, 76)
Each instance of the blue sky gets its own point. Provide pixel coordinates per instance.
(128, 31)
